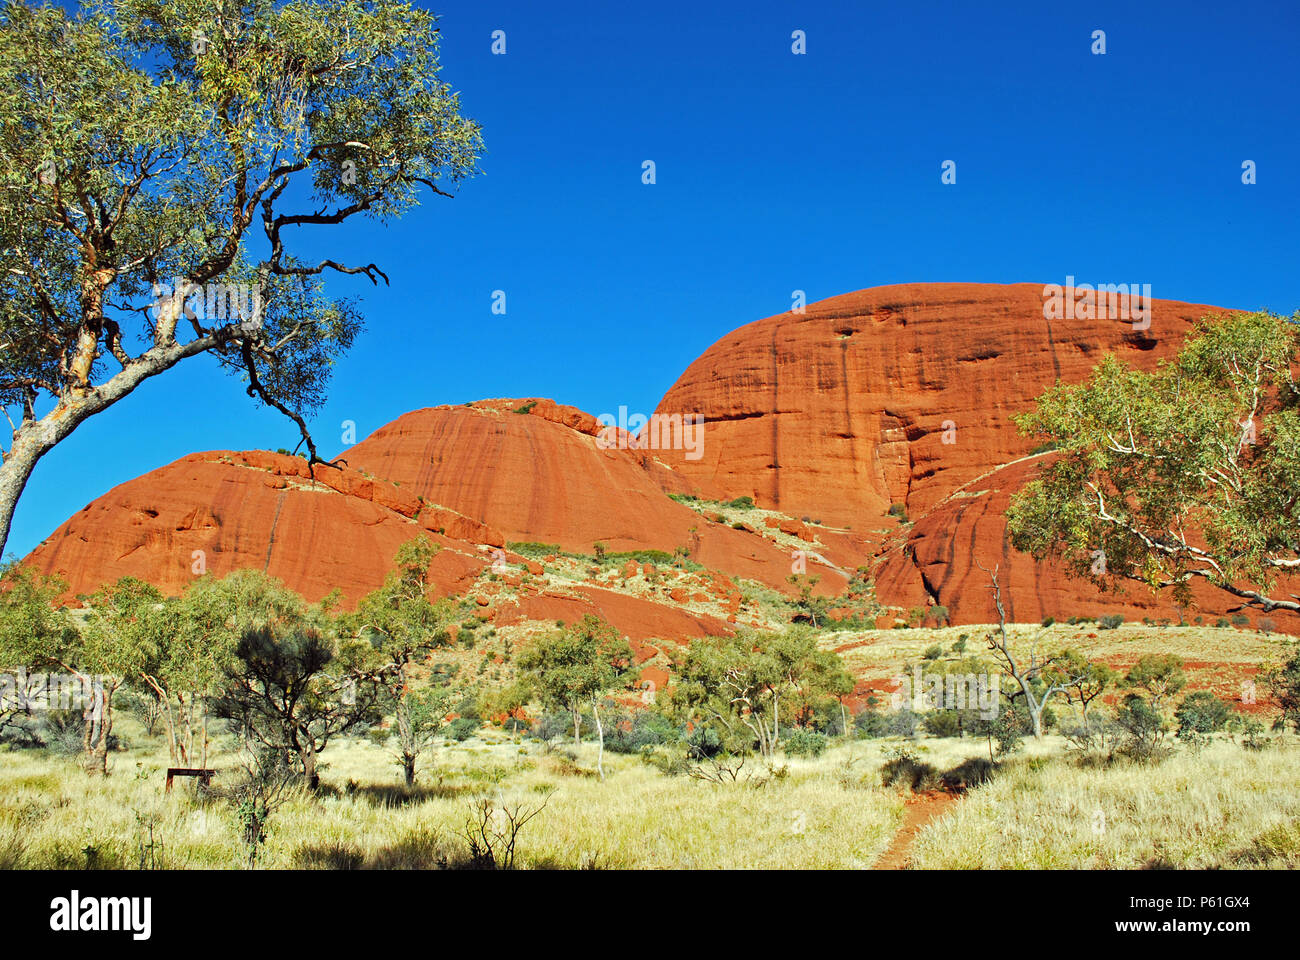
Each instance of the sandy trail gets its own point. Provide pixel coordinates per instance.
(917, 812)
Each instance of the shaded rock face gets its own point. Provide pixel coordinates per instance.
(939, 561)
(893, 395)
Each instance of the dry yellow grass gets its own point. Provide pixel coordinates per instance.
(52, 815)
(1218, 658)
(1220, 807)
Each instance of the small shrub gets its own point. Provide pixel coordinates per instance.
(703, 743)
(1100, 733)
(1110, 621)
(1200, 714)
(670, 760)
(1252, 731)
(1143, 725)
(905, 769)
(633, 731)
(1005, 732)
(869, 724)
(1284, 682)
(462, 728)
(491, 830)
(904, 723)
(942, 723)
(933, 652)
(805, 742)
(554, 725)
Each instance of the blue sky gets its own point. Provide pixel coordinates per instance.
(775, 172)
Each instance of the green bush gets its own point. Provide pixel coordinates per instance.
(805, 742)
(1110, 621)
(669, 759)
(1006, 731)
(462, 728)
(942, 723)
(1252, 731)
(553, 725)
(933, 652)
(741, 503)
(1284, 682)
(534, 551)
(868, 725)
(1201, 713)
(702, 743)
(904, 723)
(1143, 724)
(656, 557)
(631, 731)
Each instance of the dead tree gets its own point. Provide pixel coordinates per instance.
(1030, 667)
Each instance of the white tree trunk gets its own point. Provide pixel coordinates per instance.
(35, 438)
(600, 739)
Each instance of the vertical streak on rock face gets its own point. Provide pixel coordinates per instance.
(975, 354)
(1051, 344)
(850, 433)
(776, 423)
(270, 540)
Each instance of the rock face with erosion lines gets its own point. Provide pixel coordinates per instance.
(896, 396)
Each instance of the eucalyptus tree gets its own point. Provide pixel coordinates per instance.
(406, 626)
(747, 685)
(156, 159)
(1188, 473)
(124, 631)
(203, 628)
(579, 665)
(120, 633)
(34, 629)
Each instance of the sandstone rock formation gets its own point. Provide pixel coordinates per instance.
(540, 476)
(893, 395)
(221, 511)
(898, 395)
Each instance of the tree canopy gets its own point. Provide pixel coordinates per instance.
(156, 159)
(1189, 472)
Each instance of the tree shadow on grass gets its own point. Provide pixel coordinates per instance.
(390, 795)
